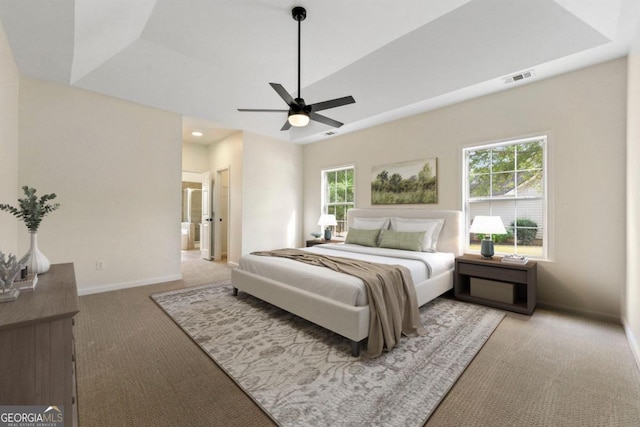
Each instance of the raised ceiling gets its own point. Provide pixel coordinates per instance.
(206, 58)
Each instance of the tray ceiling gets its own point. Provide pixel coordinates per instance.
(204, 59)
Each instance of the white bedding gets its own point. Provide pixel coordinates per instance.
(342, 287)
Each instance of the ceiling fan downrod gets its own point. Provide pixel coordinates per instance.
(299, 14)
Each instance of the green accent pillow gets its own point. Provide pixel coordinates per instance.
(357, 236)
(405, 240)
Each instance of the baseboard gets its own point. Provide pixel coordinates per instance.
(233, 264)
(587, 313)
(116, 286)
(633, 343)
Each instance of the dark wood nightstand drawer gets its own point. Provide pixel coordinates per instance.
(493, 272)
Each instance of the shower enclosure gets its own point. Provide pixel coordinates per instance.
(191, 214)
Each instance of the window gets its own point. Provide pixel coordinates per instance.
(509, 180)
(338, 194)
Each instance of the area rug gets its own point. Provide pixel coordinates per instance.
(303, 375)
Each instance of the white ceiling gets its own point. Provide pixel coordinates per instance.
(206, 58)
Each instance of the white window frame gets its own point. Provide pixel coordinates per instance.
(323, 190)
(545, 137)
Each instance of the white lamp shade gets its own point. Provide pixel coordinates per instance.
(298, 120)
(327, 220)
(487, 225)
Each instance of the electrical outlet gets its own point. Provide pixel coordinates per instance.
(100, 265)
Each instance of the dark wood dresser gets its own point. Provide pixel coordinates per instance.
(37, 351)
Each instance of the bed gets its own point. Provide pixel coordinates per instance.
(338, 302)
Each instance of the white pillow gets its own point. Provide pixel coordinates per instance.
(371, 223)
(431, 227)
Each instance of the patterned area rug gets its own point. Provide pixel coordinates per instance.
(304, 375)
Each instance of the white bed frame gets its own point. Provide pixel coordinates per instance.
(347, 320)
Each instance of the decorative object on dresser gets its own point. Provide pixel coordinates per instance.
(10, 267)
(497, 284)
(38, 262)
(487, 225)
(37, 347)
(327, 221)
(32, 210)
(26, 284)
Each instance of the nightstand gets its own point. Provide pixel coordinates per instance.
(321, 242)
(490, 282)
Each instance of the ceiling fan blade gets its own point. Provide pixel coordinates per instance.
(283, 93)
(286, 125)
(262, 110)
(333, 103)
(326, 120)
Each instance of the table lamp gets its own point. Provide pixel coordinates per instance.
(487, 225)
(327, 220)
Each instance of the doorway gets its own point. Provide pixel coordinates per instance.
(191, 208)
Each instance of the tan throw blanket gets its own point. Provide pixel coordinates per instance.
(393, 303)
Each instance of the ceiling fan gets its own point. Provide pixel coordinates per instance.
(300, 113)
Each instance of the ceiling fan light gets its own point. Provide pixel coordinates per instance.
(298, 119)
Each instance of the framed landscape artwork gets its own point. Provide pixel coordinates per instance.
(413, 182)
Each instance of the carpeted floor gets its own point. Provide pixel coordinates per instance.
(137, 368)
(302, 374)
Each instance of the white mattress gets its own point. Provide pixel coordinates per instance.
(339, 286)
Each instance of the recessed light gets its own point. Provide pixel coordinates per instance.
(196, 133)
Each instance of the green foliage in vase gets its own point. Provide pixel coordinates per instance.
(31, 210)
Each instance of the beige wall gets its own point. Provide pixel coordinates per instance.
(631, 302)
(115, 168)
(195, 157)
(272, 194)
(584, 114)
(9, 84)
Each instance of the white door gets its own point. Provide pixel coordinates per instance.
(206, 229)
(222, 214)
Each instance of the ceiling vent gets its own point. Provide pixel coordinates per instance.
(518, 77)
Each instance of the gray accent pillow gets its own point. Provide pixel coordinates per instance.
(360, 237)
(405, 240)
